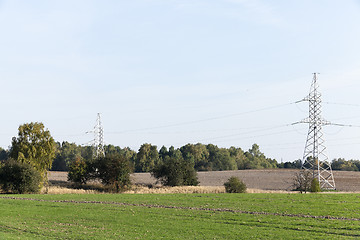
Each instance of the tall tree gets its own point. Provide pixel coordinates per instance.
(163, 152)
(114, 171)
(239, 156)
(257, 159)
(175, 171)
(66, 154)
(146, 158)
(35, 146)
(198, 154)
(220, 158)
(3, 154)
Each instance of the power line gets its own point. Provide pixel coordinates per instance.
(70, 135)
(234, 135)
(244, 133)
(344, 125)
(347, 117)
(343, 104)
(201, 120)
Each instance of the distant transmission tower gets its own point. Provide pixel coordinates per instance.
(98, 139)
(315, 159)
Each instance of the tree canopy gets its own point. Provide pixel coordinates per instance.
(35, 146)
(3, 154)
(146, 158)
(203, 157)
(175, 171)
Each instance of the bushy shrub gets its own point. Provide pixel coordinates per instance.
(114, 171)
(78, 172)
(234, 185)
(17, 177)
(302, 181)
(175, 171)
(315, 185)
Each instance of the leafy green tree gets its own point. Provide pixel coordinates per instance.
(126, 152)
(225, 161)
(114, 171)
(257, 160)
(213, 150)
(19, 178)
(349, 166)
(111, 149)
(336, 164)
(175, 171)
(171, 151)
(79, 172)
(66, 154)
(163, 152)
(220, 158)
(295, 164)
(3, 154)
(357, 164)
(87, 153)
(343, 165)
(239, 156)
(198, 154)
(35, 146)
(146, 158)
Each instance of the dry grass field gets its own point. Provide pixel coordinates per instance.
(262, 180)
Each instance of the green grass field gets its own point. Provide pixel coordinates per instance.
(180, 216)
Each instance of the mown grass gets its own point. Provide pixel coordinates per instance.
(180, 216)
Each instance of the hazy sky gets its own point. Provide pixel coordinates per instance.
(172, 72)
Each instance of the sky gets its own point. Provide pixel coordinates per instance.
(172, 72)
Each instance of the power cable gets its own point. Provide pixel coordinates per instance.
(343, 104)
(70, 135)
(201, 120)
(247, 137)
(245, 133)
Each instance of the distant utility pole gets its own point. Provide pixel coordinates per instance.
(98, 139)
(315, 158)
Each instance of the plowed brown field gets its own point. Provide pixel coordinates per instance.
(274, 179)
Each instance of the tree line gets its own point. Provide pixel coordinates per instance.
(203, 157)
(24, 166)
(217, 159)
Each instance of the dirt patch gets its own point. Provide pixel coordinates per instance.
(272, 179)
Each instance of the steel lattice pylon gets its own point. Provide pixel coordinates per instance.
(315, 158)
(98, 139)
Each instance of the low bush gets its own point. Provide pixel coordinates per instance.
(315, 186)
(18, 178)
(234, 185)
(302, 181)
(113, 171)
(78, 172)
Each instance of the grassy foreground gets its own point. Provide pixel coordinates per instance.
(180, 216)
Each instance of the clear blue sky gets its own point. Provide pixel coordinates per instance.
(172, 72)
